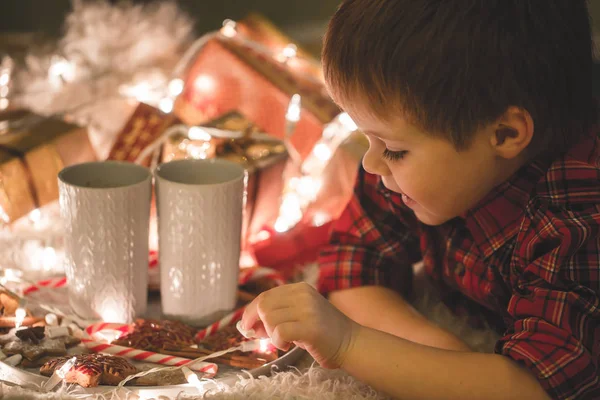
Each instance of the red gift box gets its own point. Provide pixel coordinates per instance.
(230, 74)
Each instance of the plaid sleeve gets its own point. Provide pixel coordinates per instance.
(556, 304)
(372, 243)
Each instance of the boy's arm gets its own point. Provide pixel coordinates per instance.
(375, 243)
(408, 370)
(383, 309)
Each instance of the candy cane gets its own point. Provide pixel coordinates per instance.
(229, 319)
(246, 275)
(210, 369)
(53, 283)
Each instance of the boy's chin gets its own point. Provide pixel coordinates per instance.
(430, 219)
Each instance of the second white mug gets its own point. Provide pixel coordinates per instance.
(199, 204)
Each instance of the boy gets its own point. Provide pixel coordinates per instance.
(484, 163)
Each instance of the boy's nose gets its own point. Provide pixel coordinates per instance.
(373, 164)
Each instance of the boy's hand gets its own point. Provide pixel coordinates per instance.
(298, 314)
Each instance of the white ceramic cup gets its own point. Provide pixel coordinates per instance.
(106, 209)
(199, 204)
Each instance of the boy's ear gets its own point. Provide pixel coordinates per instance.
(513, 132)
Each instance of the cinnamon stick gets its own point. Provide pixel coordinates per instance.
(233, 360)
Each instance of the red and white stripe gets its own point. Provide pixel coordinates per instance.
(120, 329)
(209, 369)
(246, 275)
(52, 283)
(230, 319)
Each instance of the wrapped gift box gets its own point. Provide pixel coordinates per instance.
(258, 85)
(145, 125)
(263, 157)
(33, 150)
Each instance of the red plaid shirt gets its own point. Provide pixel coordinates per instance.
(528, 255)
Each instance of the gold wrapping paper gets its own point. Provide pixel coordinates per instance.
(33, 150)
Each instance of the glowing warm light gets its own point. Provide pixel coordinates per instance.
(166, 105)
(308, 187)
(290, 50)
(35, 216)
(4, 78)
(293, 111)
(110, 315)
(347, 122)
(198, 151)
(287, 53)
(175, 87)
(142, 92)
(197, 133)
(49, 258)
(64, 370)
(192, 378)
(282, 225)
(264, 345)
(263, 235)
(3, 104)
(205, 83)
(61, 71)
(320, 218)
(20, 315)
(229, 28)
(322, 152)
(3, 91)
(108, 335)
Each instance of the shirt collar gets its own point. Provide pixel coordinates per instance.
(497, 217)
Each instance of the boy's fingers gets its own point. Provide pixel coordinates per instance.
(267, 301)
(286, 333)
(274, 318)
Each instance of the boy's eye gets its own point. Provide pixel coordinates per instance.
(394, 155)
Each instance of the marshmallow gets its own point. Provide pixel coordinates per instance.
(57, 331)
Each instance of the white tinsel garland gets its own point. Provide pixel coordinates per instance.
(105, 49)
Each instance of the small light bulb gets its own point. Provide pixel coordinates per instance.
(20, 315)
(35, 216)
(320, 218)
(4, 78)
(264, 345)
(166, 105)
(205, 83)
(64, 370)
(294, 108)
(229, 28)
(175, 87)
(192, 378)
(347, 121)
(197, 133)
(322, 152)
(263, 235)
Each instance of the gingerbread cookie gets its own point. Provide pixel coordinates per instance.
(92, 370)
(32, 344)
(153, 335)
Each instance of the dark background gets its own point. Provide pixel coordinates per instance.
(303, 20)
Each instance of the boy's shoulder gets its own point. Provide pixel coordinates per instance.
(573, 179)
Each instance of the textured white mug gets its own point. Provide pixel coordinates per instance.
(199, 204)
(106, 209)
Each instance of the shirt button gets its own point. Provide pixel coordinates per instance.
(459, 269)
